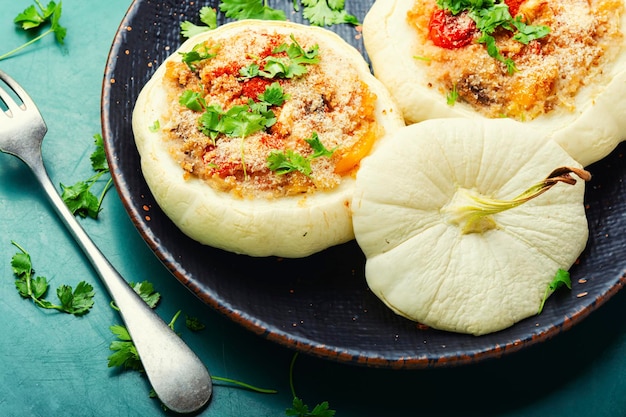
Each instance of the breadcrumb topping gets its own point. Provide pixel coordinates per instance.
(330, 100)
(585, 36)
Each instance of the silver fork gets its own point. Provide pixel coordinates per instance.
(177, 375)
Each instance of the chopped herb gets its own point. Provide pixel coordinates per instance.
(78, 197)
(208, 16)
(242, 120)
(194, 324)
(77, 302)
(278, 66)
(192, 100)
(327, 12)
(198, 53)
(562, 278)
(284, 162)
(33, 18)
(155, 126)
(250, 9)
(453, 96)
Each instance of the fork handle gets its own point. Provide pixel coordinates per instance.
(177, 375)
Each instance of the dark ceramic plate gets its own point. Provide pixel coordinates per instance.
(321, 304)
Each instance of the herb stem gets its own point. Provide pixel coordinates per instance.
(30, 42)
(291, 365)
(244, 385)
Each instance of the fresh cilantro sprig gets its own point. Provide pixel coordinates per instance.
(327, 12)
(198, 53)
(561, 278)
(36, 16)
(78, 197)
(490, 15)
(238, 121)
(251, 9)
(284, 162)
(72, 301)
(276, 65)
(207, 15)
(299, 408)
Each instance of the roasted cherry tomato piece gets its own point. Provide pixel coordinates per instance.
(514, 6)
(451, 31)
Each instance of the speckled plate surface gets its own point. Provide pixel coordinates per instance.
(321, 305)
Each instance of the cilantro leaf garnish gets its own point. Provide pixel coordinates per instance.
(562, 278)
(273, 95)
(238, 121)
(208, 16)
(251, 9)
(33, 18)
(284, 162)
(277, 65)
(327, 12)
(78, 197)
(72, 301)
(198, 53)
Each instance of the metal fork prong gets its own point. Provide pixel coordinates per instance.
(27, 102)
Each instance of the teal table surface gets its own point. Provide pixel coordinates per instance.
(54, 364)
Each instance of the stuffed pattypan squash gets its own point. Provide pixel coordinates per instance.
(464, 223)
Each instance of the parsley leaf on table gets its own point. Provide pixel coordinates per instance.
(251, 9)
(33, 18)
(78, 197)
(73, 301)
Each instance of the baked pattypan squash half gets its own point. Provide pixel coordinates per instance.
(464, 223)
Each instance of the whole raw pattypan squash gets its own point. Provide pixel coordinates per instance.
(464, 223)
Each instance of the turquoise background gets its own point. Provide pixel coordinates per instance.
(53, 364)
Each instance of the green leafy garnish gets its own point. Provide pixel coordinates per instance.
(194, 323)
(298, 408)
(238, 121)
(452, 96)
(77, 302)
(327, 12)
(208, 16)
(562, 278)
(250, 9)
(36, 16)
(198, 53)
(156, 126)
(78, 197)
(284, 162)
(147, 293)
(490, 15)
(125, 353)
(277, 65)
(192, 100)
